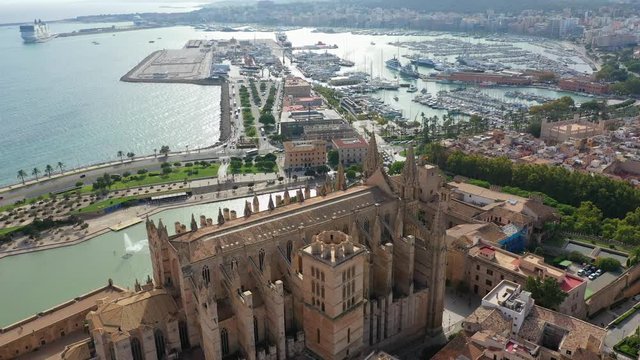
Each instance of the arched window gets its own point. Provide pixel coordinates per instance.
(234, 264)
(184, 335)
(112, 351)
(318, 336)
(136, 349)
(366, 225)
(289, 250)
(255, 330)
(261, 259)
(160, 347)
(224, 340)
(348, 335)
(345, 229)
(206, 275)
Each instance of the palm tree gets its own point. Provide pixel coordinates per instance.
(131, 155)
(155, 152)
(21, 175)
(48, 169)
(60, 166)
(120, 155)
(35, 172)
(164, 149)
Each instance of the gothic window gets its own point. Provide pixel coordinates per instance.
(261, 259)
(318, 336)
(348, 335)
(345, 229)
(255, 330)
(234, 264)
(112, 351)
(206, 275)
(289, 250)
(160, 344)
(365, 225)
(136, 349)
(184, 335)
(387, 219)
(224, 339)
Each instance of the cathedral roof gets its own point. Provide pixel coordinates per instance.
(135, 311)
(258, 227)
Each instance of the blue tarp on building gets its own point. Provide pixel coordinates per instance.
(515, 241)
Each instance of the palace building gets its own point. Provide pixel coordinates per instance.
(339, 275)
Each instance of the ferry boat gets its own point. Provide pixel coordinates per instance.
(423, 62)
(393, 64)
(412, 89)
(36, 33)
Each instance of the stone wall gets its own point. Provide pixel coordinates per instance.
(624, 286)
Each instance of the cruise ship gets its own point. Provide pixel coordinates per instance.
(36, 32)
(393, 64)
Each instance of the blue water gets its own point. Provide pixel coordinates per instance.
(63, 101)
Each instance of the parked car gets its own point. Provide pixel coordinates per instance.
(581, 272)
(592, 276)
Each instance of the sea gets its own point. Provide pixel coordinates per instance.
(62, 100)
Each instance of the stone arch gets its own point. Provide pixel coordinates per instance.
(289, 250)
(160, 344)
(206, 275)
(261, 254)
(224, 341)
(136, 349)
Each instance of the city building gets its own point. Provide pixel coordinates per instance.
(351, 150)
(474, 260)
(296, 87)
(585, 85)
(334, 276)
(576, 128)
(508, 325)
(303, 154)
(314, 124)
(65, 321)
(520, 219)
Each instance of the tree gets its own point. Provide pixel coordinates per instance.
(333, 157)
(267, 119)
(351, 174)
(607, 264)
(21, 175)
(164, 150)
(60, 166)
(155, 153)
(35, 172)
(131, 155)
(546, 293)
(121, 155)
(396, 167)
(634, 257)
(48, 170)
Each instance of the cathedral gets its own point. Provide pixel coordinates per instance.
(334, 276)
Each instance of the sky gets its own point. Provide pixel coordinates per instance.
(12, 11)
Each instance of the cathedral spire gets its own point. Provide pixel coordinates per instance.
(271, 206)
(341, 181)
(373, 160)
(220, 217)
(247, 209)
(194, 224)
(410, 170)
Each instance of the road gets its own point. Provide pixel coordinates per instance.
(69, 179)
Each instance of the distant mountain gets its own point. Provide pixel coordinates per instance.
(483, 5)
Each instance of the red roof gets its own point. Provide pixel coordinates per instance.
(487, 250)
(570, 282)
(349, 143)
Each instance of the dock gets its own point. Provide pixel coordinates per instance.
(125, 224)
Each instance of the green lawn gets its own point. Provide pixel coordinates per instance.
(177, 175)
(629, 345)
(8, 230)
(100, 205)
(10, 207)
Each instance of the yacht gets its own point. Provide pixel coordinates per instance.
(409, 71)
(412, 89)
(393, 64)
(423, 62)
